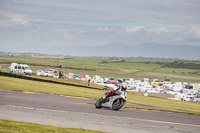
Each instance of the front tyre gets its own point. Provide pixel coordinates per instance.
(98, 104)
(117, 104)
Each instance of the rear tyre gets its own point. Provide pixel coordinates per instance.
(117, 104)
(98, 104)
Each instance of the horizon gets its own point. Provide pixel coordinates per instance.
(95, 57)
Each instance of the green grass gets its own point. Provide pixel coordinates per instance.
(134, 65)
(70, 81)
(7, 126)
(164, 103)
(14, 84)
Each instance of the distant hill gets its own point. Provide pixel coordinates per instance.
(149, 50)
(143, 50)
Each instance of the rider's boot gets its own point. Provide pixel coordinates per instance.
(105, 99)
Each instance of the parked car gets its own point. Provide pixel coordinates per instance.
(48, 74)
(52, 70)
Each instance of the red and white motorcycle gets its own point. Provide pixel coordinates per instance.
(114, 99)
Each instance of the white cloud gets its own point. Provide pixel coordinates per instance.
(81, 32)
(158, 30)
(148, 30)
(68, 36)
(105, 29)
(134, 29)
(195, 31)
(12, 20)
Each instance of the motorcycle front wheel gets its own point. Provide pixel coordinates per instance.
(117, 104)
(99, 103)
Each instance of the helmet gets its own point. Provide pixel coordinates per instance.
(120, 81)
(124, 86)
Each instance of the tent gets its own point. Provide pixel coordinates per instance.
(197, 90)
(75, 76)
(112, 82)
(39, 72)
(100, 79)
(82, 77)
(165, 91)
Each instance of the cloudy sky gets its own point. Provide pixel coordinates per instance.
(29, 24)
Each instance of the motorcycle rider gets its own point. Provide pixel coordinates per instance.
(117, 90)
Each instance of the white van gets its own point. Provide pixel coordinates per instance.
(20, 68)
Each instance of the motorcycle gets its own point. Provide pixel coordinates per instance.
(114, 102)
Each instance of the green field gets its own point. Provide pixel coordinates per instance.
(15, 84)
(7, 126)
(151, 69)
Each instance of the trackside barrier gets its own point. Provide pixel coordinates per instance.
(42, 80)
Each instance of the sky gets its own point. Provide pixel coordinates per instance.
(28, 25)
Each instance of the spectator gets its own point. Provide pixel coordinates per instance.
(89, 82)
(60, 74)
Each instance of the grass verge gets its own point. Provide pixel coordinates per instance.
(7, 126)
(22, 85)
(14, 84)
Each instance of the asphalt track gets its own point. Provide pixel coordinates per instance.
(76, 112)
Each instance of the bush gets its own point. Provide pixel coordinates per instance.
(181, 65)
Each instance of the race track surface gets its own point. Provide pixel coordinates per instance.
(76, 112)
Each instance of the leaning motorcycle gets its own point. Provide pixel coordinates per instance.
(114, 102)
